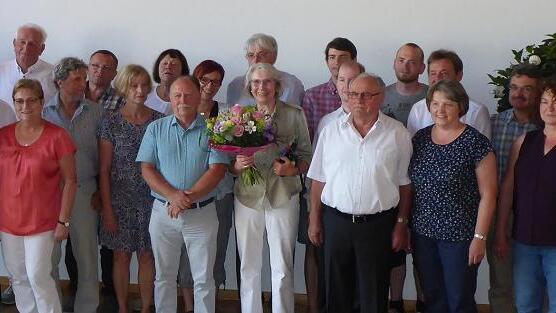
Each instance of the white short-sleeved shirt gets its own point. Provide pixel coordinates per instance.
(337, 114)
(156, 103)
(10, 73)
(292, 91)
(7, 114)
(477, 116)
(362, 175)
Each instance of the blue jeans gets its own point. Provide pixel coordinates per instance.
(534, 275)
(448, 282)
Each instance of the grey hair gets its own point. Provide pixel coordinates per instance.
(264, 41)
(65, 66)
(34, 27)
(276, 76)
(377, 78)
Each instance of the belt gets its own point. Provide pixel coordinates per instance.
(360, 218)
(196, 205)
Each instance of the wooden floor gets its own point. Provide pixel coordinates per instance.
(227, 303)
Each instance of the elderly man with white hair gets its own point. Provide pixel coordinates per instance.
(262, 48)
(29, 43)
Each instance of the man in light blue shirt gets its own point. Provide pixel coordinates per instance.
(80, 118)
(182, 172)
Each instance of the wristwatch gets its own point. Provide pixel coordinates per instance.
(480, 237)
(402, 220)
(66, 224)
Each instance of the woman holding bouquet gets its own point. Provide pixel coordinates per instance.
(271, 204)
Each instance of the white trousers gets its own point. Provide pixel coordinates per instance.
(84, 243)
(280, 225)
(197, 228)
(27, 260)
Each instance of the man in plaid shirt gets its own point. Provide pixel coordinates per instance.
(323, 99)
(102, 69)
(317, 102)
(506, 126)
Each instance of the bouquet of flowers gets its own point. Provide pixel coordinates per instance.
(244, 131)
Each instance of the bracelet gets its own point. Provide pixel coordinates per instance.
(480, 237)
(401, 220)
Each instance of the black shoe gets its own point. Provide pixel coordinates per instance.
(420, 307)
(8, 296)
(396, 307)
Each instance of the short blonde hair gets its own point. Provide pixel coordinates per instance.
(267, 67)
(130, 71)
(29, 84)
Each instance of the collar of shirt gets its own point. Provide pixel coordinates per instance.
(347, 123)
(199, 121)
(55, 103)
(33, 68)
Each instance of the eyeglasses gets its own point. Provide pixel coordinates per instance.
(261, 82)
(362, 95)
(21, 101)
(98, 67)
(524, 89)
(260, 54)
(205, 81)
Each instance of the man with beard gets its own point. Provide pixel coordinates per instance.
(400, 96)
(524, 98)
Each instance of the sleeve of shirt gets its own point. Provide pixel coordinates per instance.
(413, 120)
(482, 147)
(482, 121)
(63, 144)
(316, 170)
(148, 149)
(304, 143)
(307, 105)
(406, 149)
(218, 157)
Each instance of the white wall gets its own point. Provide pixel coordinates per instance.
(482, 32)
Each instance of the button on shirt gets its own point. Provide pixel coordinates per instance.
(180, 155)
(317, 102)
(82, 127)
(292, 90)
(477, 116)
(362, 175)
(10, 73)
(505, 129)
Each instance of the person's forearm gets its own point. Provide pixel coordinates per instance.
(104, 188)
(156, 182)
(404, 206)
(207, 182)
(487, 207)
(316, 206)
(68, 197)
(505, 203)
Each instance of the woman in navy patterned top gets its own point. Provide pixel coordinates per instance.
(453, 171)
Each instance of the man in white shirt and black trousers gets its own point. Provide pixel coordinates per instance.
(360, 199)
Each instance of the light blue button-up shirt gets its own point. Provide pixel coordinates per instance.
(180, 155)
(82, 127)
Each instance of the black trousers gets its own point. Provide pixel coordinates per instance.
(357, 254)
(106, 256)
